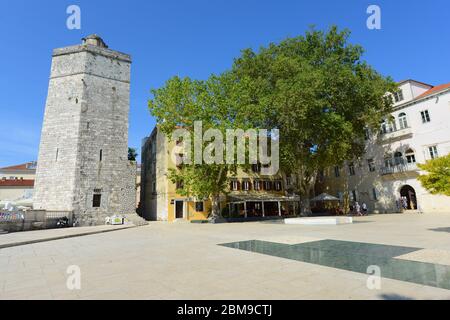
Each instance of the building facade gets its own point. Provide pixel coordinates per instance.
(418, 131)
(250, 195)
(83, 165)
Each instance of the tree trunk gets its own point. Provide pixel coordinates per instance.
(306, 204)
(215, 209)
(306, 185)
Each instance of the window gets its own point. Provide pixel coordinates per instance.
(388, 126)
(371, 164)
(180, 184)
(433, 152)
(398, 96)
(234, 186)
(403, 121)
(101, 155)
(268, 185)
(367, 134)
(257, 185)
(256, 168)
(97, 201)
(374, 194)
(410, 156)
(351, 169)
(288, 181)
(337, 172)
(199, 206)
(246, 185)
(354, 198)
(425, 116)
(388, 161)
(278, 186)
(57, 154)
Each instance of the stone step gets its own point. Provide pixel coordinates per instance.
(135, 219)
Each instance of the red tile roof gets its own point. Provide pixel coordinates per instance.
(16, 183)
(434, 90)
(23, 166)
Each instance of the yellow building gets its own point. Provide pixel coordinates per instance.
(250, 194)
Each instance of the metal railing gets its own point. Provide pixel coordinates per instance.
(8, 217)
(399, 168)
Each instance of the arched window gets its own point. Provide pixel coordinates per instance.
(410, 156)
(402, 120)
(398, 158)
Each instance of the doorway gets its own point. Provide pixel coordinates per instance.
(409, 194)
(179, 209)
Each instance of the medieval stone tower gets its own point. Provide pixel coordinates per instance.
(83, 162)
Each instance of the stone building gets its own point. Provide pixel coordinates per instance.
(83, 165)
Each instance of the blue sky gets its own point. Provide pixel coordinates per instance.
(195, 38)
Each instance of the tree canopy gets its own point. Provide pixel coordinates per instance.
(437, 178)
(315, 89)
(320, 94)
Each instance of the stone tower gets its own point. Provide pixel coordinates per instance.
(83, 162)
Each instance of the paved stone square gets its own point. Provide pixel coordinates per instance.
(187, 261)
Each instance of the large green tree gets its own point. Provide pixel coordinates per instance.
(315, 89)
(321, 95)
(437, 178)
(217, 103)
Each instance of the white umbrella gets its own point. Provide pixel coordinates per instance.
(324, 197)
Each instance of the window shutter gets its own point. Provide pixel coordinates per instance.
(249, 185)
(231, 186)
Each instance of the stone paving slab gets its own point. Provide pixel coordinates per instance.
(185, 261)
(29, 237)
(435, 256)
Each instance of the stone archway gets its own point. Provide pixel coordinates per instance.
(409, 193)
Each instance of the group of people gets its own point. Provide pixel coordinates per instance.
(359, 210)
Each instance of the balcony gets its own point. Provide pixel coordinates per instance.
(400, 169)
(396, 134)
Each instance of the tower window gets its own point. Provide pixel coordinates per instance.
(97, 201)
(57, 154)
(101, 155)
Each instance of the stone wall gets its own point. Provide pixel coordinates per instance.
(84, 145)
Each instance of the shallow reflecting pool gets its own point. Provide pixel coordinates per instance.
(357, 257)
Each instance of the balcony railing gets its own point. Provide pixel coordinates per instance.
(399, 168)
(396, 134)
